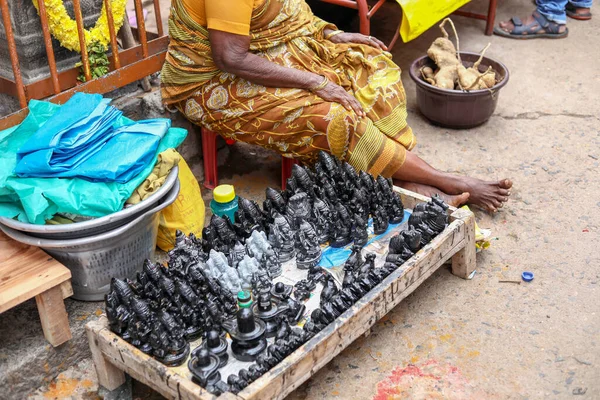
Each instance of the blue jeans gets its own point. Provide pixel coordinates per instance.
(554, 10)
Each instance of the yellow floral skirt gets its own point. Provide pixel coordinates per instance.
(297, 123)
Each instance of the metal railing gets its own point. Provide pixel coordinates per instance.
(127, 64)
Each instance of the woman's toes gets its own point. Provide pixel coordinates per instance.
(504, 192)
(505, 184)
(463, 198)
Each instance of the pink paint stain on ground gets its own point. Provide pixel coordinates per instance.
(428, 380)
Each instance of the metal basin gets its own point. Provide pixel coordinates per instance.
(94, 260)
(95, 226)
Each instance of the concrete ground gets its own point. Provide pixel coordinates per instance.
(452, 338)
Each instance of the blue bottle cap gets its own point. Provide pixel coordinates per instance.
(527, 276)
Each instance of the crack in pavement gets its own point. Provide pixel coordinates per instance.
(537, 115)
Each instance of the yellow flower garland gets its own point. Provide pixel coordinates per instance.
(64, 29)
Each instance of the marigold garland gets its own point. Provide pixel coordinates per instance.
(64, 29)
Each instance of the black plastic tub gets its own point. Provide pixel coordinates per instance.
(455, 108)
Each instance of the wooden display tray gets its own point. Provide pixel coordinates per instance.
(113, 356)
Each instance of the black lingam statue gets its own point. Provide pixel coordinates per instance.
(216, 345)
(269, 311)
(247, 334)
(308, 251)
(282, 238)
(205, 369)
(280, 290)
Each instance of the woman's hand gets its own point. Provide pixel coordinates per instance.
(337, 94)
(349, 37)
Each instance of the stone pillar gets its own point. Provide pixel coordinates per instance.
(30, 41)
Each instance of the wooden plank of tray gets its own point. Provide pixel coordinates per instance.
(117, 355)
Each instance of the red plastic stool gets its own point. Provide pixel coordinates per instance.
(209, 154)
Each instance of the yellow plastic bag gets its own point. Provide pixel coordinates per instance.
(420, 15)
(185, 214)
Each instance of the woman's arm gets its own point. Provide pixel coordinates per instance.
(231, 54)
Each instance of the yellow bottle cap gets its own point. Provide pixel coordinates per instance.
(224, 193)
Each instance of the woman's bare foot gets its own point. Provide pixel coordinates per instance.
(485, 194)
(429, 191)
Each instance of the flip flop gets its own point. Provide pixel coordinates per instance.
(572, 12)
(530, 31)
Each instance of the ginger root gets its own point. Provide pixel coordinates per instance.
(427, 74)
(445, 56)
(471, 79)
(451, 72)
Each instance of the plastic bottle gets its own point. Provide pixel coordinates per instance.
(225, 201)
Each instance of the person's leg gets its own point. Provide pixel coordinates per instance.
(580, 9)
(530, 27)
(553, 10)
(415, 174)
(582, 3)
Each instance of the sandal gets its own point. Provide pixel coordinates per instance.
(572, 12)
(531, 31)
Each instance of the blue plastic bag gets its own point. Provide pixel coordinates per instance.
(86, 138)
(35, 200)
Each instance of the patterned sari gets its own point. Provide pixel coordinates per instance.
(294, 122)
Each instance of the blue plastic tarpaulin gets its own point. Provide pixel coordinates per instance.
(334, 256)
(87, 138)
(35, 200)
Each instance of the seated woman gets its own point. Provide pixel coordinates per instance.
(270, 73)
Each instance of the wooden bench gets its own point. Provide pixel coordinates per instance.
(27, 272)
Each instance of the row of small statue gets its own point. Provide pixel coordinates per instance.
(360, 275)
(249, 335)
(165, 308)
(331, 205)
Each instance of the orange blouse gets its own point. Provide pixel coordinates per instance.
(231, 16)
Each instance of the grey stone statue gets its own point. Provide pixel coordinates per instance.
(246, 270)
